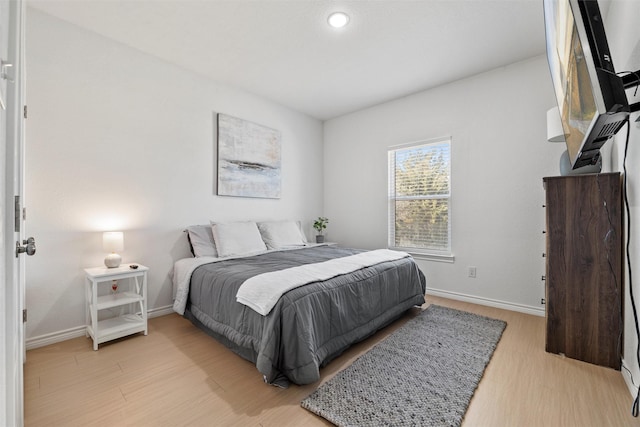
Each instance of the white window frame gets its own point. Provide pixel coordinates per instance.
(429, 254)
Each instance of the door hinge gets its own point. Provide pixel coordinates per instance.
(24, 315)
(24, 111)
(17, 214)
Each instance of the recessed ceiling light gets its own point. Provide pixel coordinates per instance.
(338, 19)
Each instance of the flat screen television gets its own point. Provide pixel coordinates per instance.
(591, 97)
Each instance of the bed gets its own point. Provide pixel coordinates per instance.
(331, 298)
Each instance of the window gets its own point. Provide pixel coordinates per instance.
(419, 198)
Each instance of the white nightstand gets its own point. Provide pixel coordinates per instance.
(133, 293)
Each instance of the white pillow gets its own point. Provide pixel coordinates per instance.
(281, 234)
(237, 238)
(201, 240)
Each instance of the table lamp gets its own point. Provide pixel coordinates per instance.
(112, 242)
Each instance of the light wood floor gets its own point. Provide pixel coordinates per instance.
(177, 375)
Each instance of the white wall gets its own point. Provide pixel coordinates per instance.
(117, 139)
(497, 121)
(623, 36)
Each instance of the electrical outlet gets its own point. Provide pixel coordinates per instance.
(543, 301)
(472, 272)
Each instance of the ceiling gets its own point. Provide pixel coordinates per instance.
(284, 50)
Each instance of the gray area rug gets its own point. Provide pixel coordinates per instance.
(424, 374)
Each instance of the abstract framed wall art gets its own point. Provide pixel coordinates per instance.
(249, 159)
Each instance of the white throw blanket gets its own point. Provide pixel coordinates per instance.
(262, 292)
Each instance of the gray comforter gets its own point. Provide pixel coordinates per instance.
(309, 325)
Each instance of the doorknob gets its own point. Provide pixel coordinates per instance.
(30, 247)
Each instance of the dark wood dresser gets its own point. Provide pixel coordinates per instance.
(584, 271)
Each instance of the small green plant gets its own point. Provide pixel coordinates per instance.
(320, 224)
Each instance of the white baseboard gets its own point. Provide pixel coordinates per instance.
(626, 374)
(55, 337)
(160, 311)
(527, 309)
(79, 331)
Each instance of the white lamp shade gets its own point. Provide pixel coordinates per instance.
(555, 132)
(113, 241)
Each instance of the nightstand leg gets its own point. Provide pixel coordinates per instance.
(144, 303)
(87, 315)
(94, 313)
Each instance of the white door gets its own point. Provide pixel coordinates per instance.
(12, 347)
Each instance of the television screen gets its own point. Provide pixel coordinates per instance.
(591, 99)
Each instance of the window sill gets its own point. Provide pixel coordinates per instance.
(449, 258)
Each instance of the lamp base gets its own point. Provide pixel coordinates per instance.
(113, 260)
